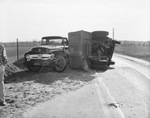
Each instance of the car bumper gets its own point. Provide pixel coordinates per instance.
(37, 62)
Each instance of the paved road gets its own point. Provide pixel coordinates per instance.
(120, 92)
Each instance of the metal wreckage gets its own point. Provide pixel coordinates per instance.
(82, 49)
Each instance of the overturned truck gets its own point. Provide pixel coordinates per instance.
(95, 49)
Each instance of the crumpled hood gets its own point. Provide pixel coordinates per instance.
(45, 49)
(52, 47)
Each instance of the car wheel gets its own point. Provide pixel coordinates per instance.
(33, 68)
(60, 64)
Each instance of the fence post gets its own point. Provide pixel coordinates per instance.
(17, 51)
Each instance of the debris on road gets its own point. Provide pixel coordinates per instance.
(112, 105)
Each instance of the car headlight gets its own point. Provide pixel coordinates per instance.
(52, 56)
(28, 57)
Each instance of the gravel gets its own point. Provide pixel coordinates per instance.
(24, 89)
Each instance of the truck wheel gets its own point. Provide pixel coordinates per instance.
(100, 38)
(33, 68)
(99, 67)
(95, 62)
(100, 34)
(60, 64)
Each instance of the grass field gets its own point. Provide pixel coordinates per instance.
(138, 51)
(12, 51)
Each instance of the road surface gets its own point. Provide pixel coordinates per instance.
(120, 92)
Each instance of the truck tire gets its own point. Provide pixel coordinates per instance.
(100, 34)
(111, 63)
(100, 38)
(33, 68)
(99, 67)
(95, 62)
(60, 63)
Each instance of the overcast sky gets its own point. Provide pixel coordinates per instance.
(29, 20)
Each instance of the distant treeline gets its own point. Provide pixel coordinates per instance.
(135, 43)
(22, 44)
(35, 43)
(135, 49)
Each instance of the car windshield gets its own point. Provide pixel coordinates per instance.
(51, 42)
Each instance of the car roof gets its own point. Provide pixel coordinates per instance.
(53, 37)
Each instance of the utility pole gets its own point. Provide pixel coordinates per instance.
(17, 51)
(113, 34)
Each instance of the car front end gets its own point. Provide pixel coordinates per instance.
(52, 52)
(39, 59)
(40, 56)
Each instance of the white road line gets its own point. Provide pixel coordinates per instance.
(102, 101)
(140, 71)
(139, 63)
(102, 84)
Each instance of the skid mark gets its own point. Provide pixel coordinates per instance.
(99, 84)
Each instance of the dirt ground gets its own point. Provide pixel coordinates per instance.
(125, 84)
(24, 89)
(120, 92)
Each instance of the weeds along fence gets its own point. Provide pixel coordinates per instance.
(137, 49)
(17, 50)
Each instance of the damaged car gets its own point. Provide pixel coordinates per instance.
(53, 52)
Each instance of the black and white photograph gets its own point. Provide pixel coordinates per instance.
(74, 59)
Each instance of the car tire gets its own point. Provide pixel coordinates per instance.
(100, 34)
(60, 64)
(33, 68)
